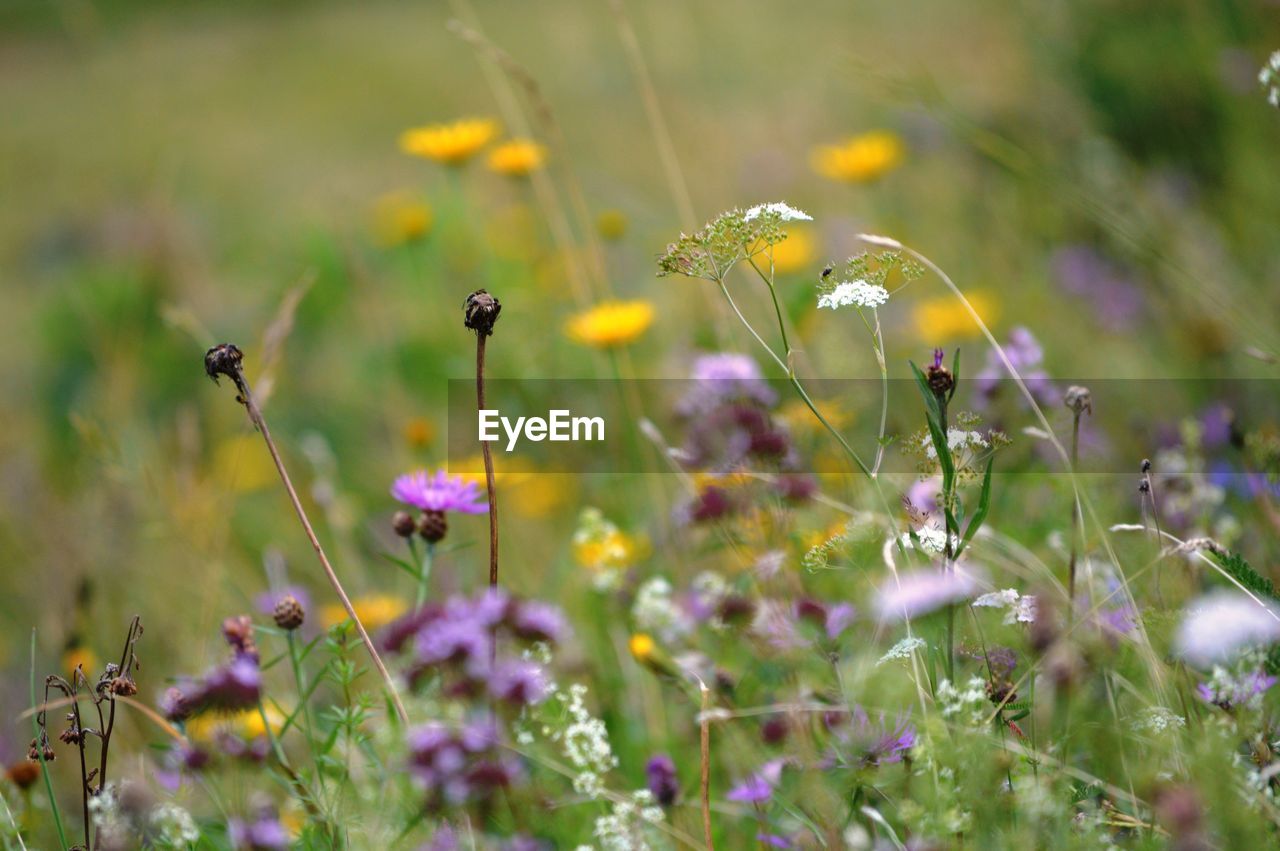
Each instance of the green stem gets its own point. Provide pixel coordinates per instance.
(299, 680)
(777, 308)
(424, 574)
(44, 767)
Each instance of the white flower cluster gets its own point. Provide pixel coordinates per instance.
(585, 741)
(1019, 608)
(969, 706)
(654, 611)
(902, 650)
(855, 294)
(1157, 719)
(626, 825)
(962, 443)
(1269, 77)
(173, 826)
(931, 540)
(782, 210)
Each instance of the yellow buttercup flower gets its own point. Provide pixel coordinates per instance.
(419, 431)
(860, 159)
(374, 610)
(795, 252)
(641, 646)
(944, 318)
(400, 218)
(610, 324)
(83, 657)
(451, 144)
(517, 157)
(246, 723)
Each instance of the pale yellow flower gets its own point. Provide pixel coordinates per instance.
(794, 253)
(610, 324)
(374, 610)
(944, 318)
(517, 157)
(451, 144)
(399, 218)
(861, 158)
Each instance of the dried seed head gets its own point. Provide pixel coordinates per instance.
(124, 686)
(238, 631)
(1078, 400)
(41, 748)
(480, 312)
(1146, 465)
(223, 359)
(434, 526)
(289, 613)
(404, 524)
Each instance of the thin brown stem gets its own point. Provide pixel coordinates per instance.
(255, 416)
(488, 469)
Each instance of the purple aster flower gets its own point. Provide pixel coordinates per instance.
(1025, 355)
(440, 492)
(1216, 425)
(879, 742)
(726, 377)
(773, 840)
(758, 787)
(910, 595)
(663, 783)
(838, 619)
(235, 685)
(517, 681)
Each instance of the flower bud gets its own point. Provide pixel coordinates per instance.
(433, 526)
(288, 613)
(404, 524)
(223, 359)
(480, 312)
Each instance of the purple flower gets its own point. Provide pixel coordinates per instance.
(726, 377)
(910, 595)
(534, 621)
(265, 833)
(456, 767)
(838, 619)
(1080, 270)
(879, 743)
(773, 840)
(663, 783)
(517, 681)
(1228, 692)
(758, 787)
(440, 492)
(235, 685)
(1025, 355)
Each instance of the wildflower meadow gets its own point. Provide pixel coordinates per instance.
(618, 425)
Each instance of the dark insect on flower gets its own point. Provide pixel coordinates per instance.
(826, 272)
(223, 359)
(480, 312)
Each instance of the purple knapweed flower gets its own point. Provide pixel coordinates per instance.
(534, 621)
(758, 787)
(1025, 356)
(660, 771)
(726, 377)
(1227, 692)
(910, 595)
(518, 681)
(264, 833)
(440, 492)
(879, 742)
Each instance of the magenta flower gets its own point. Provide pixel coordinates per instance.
(758, 788)
(440, 492)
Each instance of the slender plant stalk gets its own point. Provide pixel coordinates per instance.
(488, 468)
(424, 573)
(1075, 521)
(44, 766)
(705, 778)
(236, 373)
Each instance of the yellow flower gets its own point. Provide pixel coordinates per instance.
(610, 323)
(419, 431)
(374, 611)
(400, 218)
(944, 318)
(611, 224)
(451, 144)
(642, 646)
(795, 252)
(860, 159)
(800, 419)
(246, 724)
(517, 157)
(82, 656)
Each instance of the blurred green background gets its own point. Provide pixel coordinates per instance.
(168, 172)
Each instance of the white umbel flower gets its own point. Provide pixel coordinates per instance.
(854, 293)
(1269, 77)
(1220, 625)
(781, 209)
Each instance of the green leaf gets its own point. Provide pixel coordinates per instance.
(1241, 571)
(980, 513)
(955, 373)
(937, 433)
